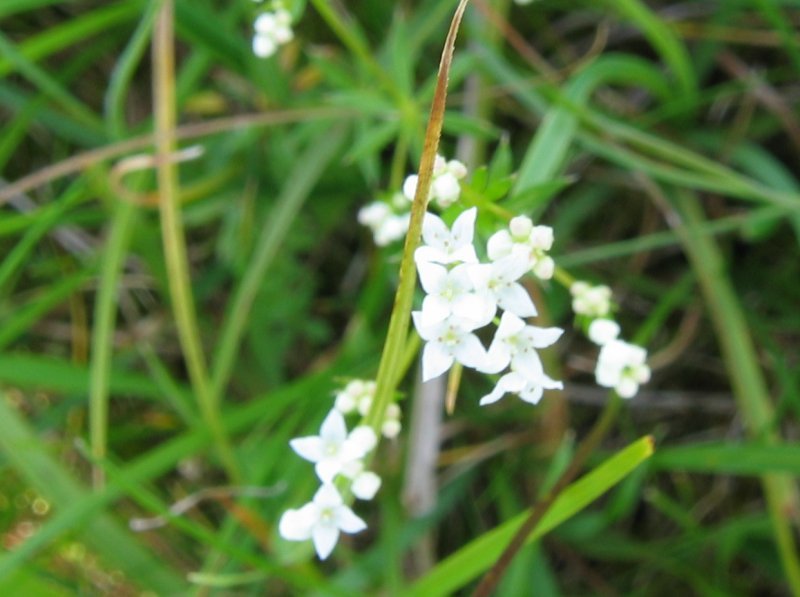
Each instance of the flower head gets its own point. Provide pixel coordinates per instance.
(446, 342)
(333, 448)
(451, 292)
(592, 301)
(528, 387)
(622, 366)
(525, 239)
(272, 29)
(446, 246)
(497, 281)
(320, 520)
(515, 344)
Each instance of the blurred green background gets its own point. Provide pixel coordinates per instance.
(660, 141)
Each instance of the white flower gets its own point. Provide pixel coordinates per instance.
(602, 331)
(523, 238)
(386, 226)
(445, 246)
(320, 520)
(334, 448)
(622, 366)
(391, 423)
(592, 301)
(498, 281)
(354, 394)
(528, 389)
(365, 485)
(450, 292)
(515, 344)
(272, 29)
(446, 342)
(445, 188)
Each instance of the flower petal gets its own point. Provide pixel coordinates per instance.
(333, 429)
(348, 521)
(435, 360)
(295, 525)
(311, 448)
(325, 538)
(470, 352)
(514, 298)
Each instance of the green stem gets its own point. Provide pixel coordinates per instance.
(102, 335)
(392, 355)
(174, 239)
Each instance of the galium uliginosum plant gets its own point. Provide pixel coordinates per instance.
(462, 294)
(467, 285)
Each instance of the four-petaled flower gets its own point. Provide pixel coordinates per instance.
(451, 292)
(622, 366)
(448, 341)
(320, 520)
(333, 448)
(497, 281)
(445, 246)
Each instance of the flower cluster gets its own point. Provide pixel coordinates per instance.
(463, 295)
(357, 396)
(445, 188)
(620, 365)
(338, 457)
(273, 28)
(387, 221)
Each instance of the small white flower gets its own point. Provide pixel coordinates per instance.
(365, 485)
(592, 301)
(391, 423)
(386, 226)
(320, 520)
(450, 292)
(445, 190)
(498, 281)
(602, 331)
(446, 342)
(334, 448)
(523, 238)
(515, 344)
(373, 214)
(410, 186)
(622, 366)
(529, 387)
(272, 29)
(445, 246)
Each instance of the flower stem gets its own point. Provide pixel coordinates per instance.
(174, 239)
(392, 355)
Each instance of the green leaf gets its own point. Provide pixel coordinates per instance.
(476, 557)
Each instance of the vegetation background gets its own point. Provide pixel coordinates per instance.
(659, 139)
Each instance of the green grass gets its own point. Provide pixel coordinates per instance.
(195, 337)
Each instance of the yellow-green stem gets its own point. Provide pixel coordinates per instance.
(174, 239)
(392, 356)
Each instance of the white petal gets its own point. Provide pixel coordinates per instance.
(325, 538)
(366, 485)
(446, 189)
(410, 186)
(515, 298)
(432, 276)
(435, 309)
(434, 231)
(435, 360)
(347, 521)
(464, 227)
(627, 387)
(532, 394)
(479, 310)
(510, 325)
(541, 337)
(328, 468)
(510, 382)
(499, 245)
(602, 331)
(334, 429)
(295, 525)
(263, 46)
(470, 352)
(327, 496)
(312, 448)
(363, 437)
